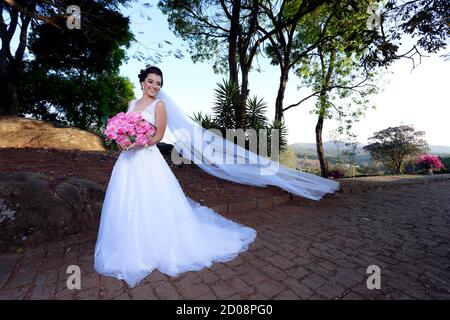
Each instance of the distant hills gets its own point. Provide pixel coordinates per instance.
(308, 151)
(440, 150)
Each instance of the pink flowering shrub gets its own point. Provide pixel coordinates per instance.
(128, 128)
(428, 161)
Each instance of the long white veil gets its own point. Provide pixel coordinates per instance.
(224, 159)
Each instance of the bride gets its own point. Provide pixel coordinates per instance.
(148, 223)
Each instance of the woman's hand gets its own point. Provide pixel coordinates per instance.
(131, 146)
(127, 148)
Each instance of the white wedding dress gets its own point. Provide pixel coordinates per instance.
(148, 223)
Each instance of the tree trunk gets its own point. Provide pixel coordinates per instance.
(400, 167)
(241, 114)
(232, 42)
(319, 146)
(280, 95)
(9, 102)
(323, 109)
(245, 39)
(4, 101)
(12, 95)
(11, 66)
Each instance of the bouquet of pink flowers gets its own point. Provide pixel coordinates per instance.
(126, 129)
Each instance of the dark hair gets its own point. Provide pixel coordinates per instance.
(150, 69)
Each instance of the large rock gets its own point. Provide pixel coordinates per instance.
(35, 208)
(22, 132)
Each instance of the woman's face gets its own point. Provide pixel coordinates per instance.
(152, 84)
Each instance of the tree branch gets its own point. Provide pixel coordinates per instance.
(15, 5)
(329, 89)
(198, 17)
(301, 101)
(23, 37)
(225, 9)
(300, 13)
(13, 25)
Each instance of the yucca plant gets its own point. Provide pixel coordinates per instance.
(204, 120)
(256, 113)
(256, 119)
(282, 138)
(224, 112)
(224, 109)
(267, 136)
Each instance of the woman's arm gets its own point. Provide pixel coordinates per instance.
(160, 122)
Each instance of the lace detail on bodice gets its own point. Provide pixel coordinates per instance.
(148, 113)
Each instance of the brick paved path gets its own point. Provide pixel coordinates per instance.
(304, 250)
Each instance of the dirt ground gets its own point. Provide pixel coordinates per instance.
(19, 132)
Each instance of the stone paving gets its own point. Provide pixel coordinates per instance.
(303, 250)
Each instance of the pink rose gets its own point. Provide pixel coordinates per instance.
(141, 140)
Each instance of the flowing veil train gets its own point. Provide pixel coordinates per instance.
(224, 159)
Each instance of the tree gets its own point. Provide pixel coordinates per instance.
(74, 76)
(336, 63)
(426, 21)
(11, 63)
(214, 31)
(82, 102)
(26, 15)
(393, 145)
(287, 46)
(332, 69)
(275, 22)
(231, 33)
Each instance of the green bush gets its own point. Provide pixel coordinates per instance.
(446, 162)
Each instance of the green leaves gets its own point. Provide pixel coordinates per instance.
(204, 120)
(224, 110)
(226, 104)
(72, 76)
(198, 23)
(85, 102)
(393, 145)
(111, 144)
(256, 113)
(280, 126)
(104, 120)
